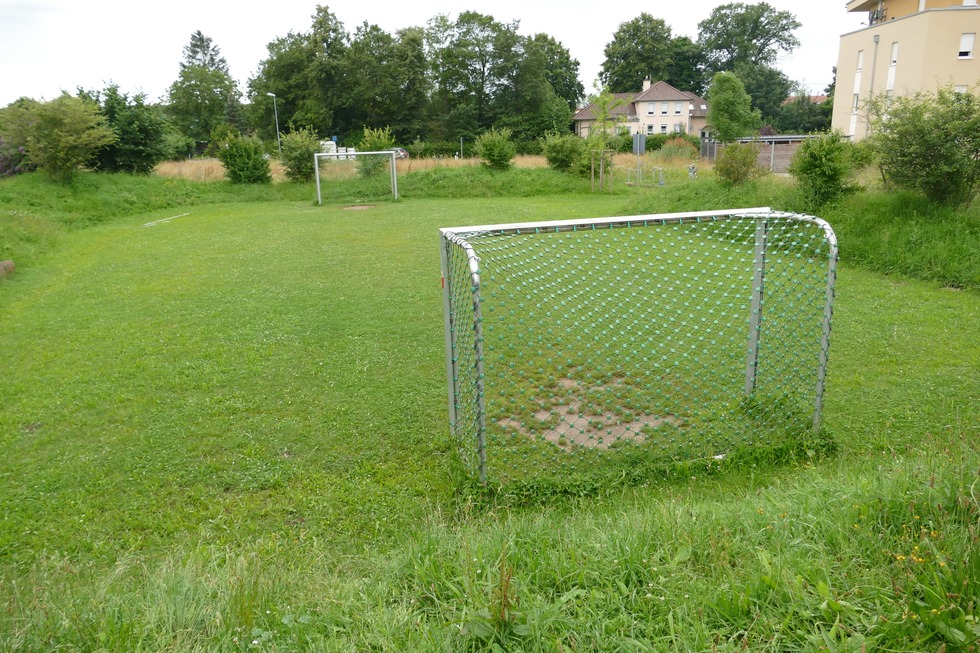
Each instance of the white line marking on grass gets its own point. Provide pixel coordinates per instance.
(156, 222)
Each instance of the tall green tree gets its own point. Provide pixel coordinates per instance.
(640, 48)
(687, 66)
(767, 86)
(561, 70)
(730, 112)
(470, 58)
(204, 94)
(140, 129)
(739, 33)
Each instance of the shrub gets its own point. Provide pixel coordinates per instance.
(562, 151)
(930, 143)
(374, 140)
(737, 163)
(821, 167)
(245, 162)
(220, 136)
(13, 159)
(140, 131)
(298, 148)
(495, 148)
(66, 134)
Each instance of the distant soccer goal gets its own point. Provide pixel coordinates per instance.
(601, 348)
(356, 176)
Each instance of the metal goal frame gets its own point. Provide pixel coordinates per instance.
(466, 318)
(345, 156)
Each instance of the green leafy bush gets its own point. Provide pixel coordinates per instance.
(66, 134)
(495, 148)
(140, 131)
(930, 143)
(298, 148)
(737, 163)
(374, 140)
(822, 167)
(562, 151)
(244, 161)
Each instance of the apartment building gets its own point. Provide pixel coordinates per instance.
(907, 46)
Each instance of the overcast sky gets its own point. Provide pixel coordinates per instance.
(55, 45)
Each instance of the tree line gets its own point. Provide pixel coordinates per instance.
(451, 79)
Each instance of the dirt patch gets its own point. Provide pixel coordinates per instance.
(575, 429)
(358, 207)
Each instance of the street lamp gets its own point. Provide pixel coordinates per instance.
(275, 108)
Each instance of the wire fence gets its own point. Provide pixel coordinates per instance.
(594, 349)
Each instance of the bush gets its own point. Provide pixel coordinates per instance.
(374, 140)
(821, 167)
(298, 148)
(13, 159)
(66, 134)
(562, 151)
(244, 161)
(495, 148)
(930, 143)
(140, 131)
(737, 163)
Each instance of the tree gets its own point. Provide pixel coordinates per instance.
(66, 134)
(201, 51)
(767, 87)
(802, 115)
(560, 69)
(929, 142)
(16, 122)
(140, 130)
(640, 48)
(738, 33)
(687, 66)
(204, 94)
(730, 113)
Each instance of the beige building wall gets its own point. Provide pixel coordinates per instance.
(900, 56)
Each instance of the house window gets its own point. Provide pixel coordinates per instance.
(664, 106)
(651, 108)
(663, 129)
(894, 59)
(967, 42)
(678, 127)
(855, 103)
(649, 129)
(890, 81)
(678, 108)
(860, 60)
(969, 3)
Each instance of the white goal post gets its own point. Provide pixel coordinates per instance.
(356, 166)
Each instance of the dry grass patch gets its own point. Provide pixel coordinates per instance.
(206, 170)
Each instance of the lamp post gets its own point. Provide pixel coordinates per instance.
(275, 108)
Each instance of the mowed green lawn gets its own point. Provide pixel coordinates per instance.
(228, 430)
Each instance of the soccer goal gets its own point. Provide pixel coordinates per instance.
(356, 176)
(606, 346)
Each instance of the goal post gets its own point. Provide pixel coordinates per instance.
(356, 175)
(601, 347)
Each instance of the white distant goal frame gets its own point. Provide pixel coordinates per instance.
(393, 167)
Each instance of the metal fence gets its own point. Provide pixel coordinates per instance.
(600, 347)
(358, 176)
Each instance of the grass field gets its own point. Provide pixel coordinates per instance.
(228, 431)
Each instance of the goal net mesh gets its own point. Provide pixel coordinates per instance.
(607, 347)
